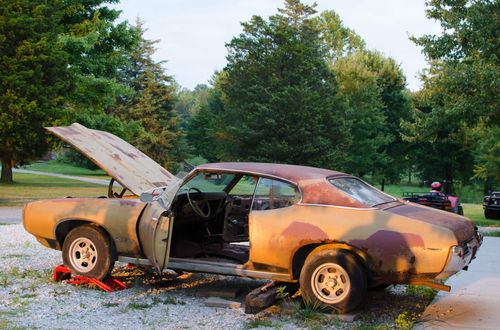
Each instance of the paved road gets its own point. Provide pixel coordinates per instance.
(72, 177)
(474, 300)
(10, 215)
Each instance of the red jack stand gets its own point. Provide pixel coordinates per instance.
(110, 284)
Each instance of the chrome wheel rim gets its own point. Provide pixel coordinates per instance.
(330, 283)
(83, 254)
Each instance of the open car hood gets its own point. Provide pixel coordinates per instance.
(123, 162)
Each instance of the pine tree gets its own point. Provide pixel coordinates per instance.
(279, 93)
(34, 78)
(151, 103)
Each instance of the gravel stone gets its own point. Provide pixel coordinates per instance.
(29, 298)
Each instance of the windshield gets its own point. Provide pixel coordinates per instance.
(207, 182)
(360, 191)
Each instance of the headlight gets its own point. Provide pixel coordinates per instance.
(458, 251)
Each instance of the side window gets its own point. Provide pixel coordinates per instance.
(245, 187)
(274, 194)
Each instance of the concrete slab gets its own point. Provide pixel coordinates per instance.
(222, 293)
(10, 215)
(474, 300)
(223, 303)
(349, 318)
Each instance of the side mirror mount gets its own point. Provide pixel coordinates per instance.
(146, 197)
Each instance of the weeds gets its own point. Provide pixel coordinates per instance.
(421, 291)
(14, 256)
(28, 295)
(406, 320)
(258, 323)
(172, 301)
(138, 305)
(4, 281)
(110, 304)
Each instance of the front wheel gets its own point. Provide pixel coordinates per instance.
(333, 279)
(87, 251)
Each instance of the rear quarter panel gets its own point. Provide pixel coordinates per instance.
(117, 216)
(392, 243)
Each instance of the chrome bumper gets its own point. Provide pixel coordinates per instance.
(460, 256)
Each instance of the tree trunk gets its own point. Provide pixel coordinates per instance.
(6, 171)
(382, 184)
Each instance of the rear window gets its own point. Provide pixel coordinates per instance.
(360, 191)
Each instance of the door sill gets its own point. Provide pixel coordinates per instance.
(203, 266)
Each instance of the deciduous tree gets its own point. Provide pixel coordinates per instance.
(280, 96)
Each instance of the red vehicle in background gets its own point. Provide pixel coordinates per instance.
(436, 199)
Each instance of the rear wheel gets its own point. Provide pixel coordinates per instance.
(333, 279)
(87, 251)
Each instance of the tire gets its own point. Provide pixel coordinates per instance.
(380, 287)
(87, 251)
(491, 214)
(347, 285)
(460, 210)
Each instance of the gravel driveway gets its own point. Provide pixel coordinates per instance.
(30, 299)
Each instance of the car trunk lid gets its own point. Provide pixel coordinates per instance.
(460, 226)
(122, 161)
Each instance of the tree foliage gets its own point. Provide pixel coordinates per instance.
(280, 96)
(70, 60)
(461, 87)
(34, 77)
(150, 105)
(302, 88)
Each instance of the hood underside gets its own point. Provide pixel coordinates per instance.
(122, 161)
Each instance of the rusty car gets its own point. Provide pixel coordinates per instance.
(330, 232)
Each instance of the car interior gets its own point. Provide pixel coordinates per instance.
(211, 214)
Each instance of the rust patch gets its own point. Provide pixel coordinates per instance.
(304, 229)
(461, 227)
(392, 243)
(126, 164)
(125, 202)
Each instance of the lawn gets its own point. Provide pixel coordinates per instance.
(398, 190)
(53, 166)
(30, 187)
(475, 212)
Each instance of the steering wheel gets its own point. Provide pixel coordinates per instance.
(198, 206)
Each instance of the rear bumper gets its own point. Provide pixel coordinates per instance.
(460, 256)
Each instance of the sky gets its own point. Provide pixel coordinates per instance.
(193, 33)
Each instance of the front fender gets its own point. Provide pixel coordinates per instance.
(117, 216)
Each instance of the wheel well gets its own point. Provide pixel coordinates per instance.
(301, 254)
(65, 227)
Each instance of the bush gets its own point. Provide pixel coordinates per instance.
(472, 193)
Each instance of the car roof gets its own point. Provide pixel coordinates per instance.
(312, 181)
(294, 173)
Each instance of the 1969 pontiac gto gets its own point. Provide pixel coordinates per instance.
(329, 231)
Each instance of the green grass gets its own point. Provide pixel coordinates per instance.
(472, 211)
(30, 187)
(54, 166)
(492, 233)
(398, 190)
(475, 212)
